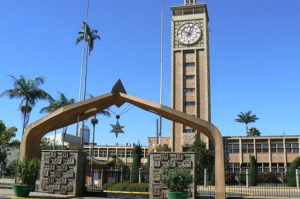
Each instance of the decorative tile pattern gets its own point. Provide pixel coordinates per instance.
(161, 161)
(59, 172)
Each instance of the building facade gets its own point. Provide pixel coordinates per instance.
(190, 85)
(272, 153)
(106, 153)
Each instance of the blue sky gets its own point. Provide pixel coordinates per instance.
(254, 49)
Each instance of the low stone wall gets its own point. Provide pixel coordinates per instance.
(62, 172)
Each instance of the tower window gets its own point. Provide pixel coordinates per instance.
(189, 103)
(189, 77)
(189, 52)
(189, 64)
(189, 90)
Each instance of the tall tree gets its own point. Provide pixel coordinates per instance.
(88, 35)
(56, 104)
(205, 159)
(6, 141)
(29, 91)
(253, 132)
(246, 118)
(136, 162)
(253, 171)
(291, 175)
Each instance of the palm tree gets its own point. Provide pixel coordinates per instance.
(56, 104)
(88, 35)
(29, 92)
(246, 118)
(253, 132)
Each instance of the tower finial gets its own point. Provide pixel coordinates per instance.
(190, 2)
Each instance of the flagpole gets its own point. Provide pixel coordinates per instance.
(82, 65)
(161, 66)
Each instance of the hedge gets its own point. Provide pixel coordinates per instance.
(126, 186)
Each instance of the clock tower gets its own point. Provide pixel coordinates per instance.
(190, 83)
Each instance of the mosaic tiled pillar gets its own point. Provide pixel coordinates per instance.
(162, 161)
(62, 172)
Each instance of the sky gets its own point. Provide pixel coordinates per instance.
(254, 58)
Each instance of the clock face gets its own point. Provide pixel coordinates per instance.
(188, 33)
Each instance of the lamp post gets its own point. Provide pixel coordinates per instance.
(94, 121)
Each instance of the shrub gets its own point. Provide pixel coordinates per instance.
(241, 177)
(291, 176)
(231, 179)
(253, 171)
(136, 162)
(177, 180)
(268, 178)
(27, 170)
(126, 186)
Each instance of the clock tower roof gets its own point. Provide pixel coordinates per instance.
(190, 9)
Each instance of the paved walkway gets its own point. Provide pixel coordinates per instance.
(9, 194)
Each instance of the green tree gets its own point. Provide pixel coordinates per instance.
(6, 141)
(253, 132)
(29, 92)
(88, 35)
(246, 118)
(291, 175)
(54, 105)
(57, 103)
(136, 162)
(205, 159)
(252, 171)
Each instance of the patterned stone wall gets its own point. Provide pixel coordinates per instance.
(161, 161)
(62, 172)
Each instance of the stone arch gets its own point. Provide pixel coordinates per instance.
(69, 115)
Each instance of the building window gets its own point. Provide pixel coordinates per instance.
(266, 167)
(262, 147)
(281, 167)
(248, 147)
(189, 64)
(277, 147)
(103, 153)
(189, 77)
(274, 167)
(292, 147)
(121, 153)
(233, 148)
(111, 153)
(189, 103)
(188, 90)
(259, 168)
(128, 153)
(96, 154)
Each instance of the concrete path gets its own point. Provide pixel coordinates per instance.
(9, 194)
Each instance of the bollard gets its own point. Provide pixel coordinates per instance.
(205, 177)
(140, 175)
(121, 174)
(297, 178)
(247, 178)
(130, 174)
